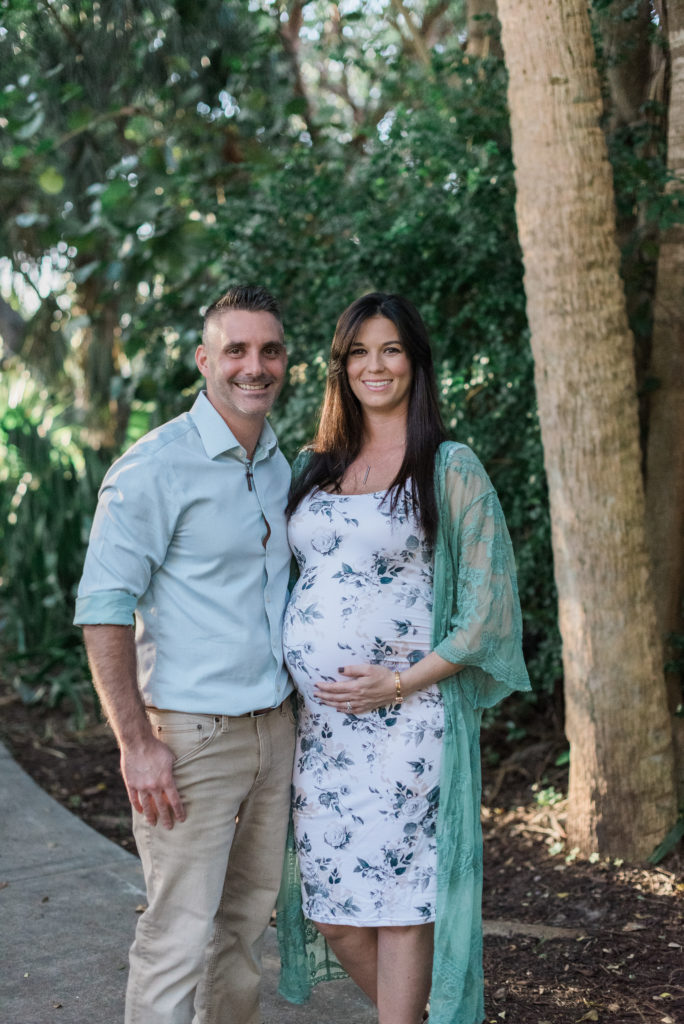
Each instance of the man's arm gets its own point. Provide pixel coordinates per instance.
(146, 762)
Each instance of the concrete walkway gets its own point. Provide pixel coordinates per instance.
(68, 903)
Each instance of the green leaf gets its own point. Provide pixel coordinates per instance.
(114, 194)
(27, 220)
(296, 106)
(29, 129)
(80, 119)
(87, 270)
(16, 154)
(51, 181)
(669, 842)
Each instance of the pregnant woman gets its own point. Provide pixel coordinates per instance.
(403, 625)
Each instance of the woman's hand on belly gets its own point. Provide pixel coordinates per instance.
(364, 688)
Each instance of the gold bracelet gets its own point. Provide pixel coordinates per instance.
(397, 685)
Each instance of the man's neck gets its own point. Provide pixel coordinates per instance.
(246, 430)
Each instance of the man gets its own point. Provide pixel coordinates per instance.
(190, 535)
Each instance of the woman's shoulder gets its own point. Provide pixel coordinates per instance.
(458, 456)
(458, 463)
(301, 461)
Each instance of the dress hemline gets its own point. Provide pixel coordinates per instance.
(372, 924)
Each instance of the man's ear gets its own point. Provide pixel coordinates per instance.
(201, 359)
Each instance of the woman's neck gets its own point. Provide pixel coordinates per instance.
(383, 433)
(380, 457)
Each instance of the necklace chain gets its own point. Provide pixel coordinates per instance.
(369, 465)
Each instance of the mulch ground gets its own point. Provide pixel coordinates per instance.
(623, 962)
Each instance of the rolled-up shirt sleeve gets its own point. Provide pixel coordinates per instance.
(133, 525)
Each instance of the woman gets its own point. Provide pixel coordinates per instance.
(407, 582)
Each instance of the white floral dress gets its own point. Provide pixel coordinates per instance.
(365, 787)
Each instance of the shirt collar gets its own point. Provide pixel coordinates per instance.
(216, 435)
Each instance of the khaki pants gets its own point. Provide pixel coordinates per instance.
(212, 882)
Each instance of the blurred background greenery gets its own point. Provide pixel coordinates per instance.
(154, 152)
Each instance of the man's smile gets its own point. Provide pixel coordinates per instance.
(252, 387)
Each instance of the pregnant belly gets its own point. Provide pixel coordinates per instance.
(318, 639)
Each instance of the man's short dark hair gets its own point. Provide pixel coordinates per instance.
(251, 298)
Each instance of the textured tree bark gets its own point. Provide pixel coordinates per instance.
(107, 415)
(635, 62)
(621, 798)
(484, 39)
(665, 452)
(627, 49)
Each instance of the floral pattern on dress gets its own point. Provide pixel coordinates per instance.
(365, 787)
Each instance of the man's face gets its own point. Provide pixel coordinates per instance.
(243, 361)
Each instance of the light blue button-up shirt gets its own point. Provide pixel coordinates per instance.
(181, 541)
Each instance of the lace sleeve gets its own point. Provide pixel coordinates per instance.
(483, 625)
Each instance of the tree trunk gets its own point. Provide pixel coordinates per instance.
(634, 61)
(484, 30)
(665, 453)
(621, 798)
(106, 415)
(627, 51)
(12, 330)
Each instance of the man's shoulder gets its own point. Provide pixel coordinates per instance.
(159, 445)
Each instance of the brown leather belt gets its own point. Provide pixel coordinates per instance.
(246, 714)
(255, 714)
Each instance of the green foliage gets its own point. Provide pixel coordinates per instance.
(56, 676)
(156, 151)
(549, 796)
(153, 180)
(49, 487)
(669, 843)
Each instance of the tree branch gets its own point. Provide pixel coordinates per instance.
(128, 111)
(64, 29)
(417, 40)
(288, 31)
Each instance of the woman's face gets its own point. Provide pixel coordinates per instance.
(378, 368)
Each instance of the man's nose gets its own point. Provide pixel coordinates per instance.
(254, 364)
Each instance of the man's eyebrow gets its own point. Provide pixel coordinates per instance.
(237, 341)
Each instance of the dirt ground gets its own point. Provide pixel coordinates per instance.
(621, 958)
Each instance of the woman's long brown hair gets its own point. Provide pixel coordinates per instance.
(340, 432)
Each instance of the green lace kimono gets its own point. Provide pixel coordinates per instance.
(477, 624)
